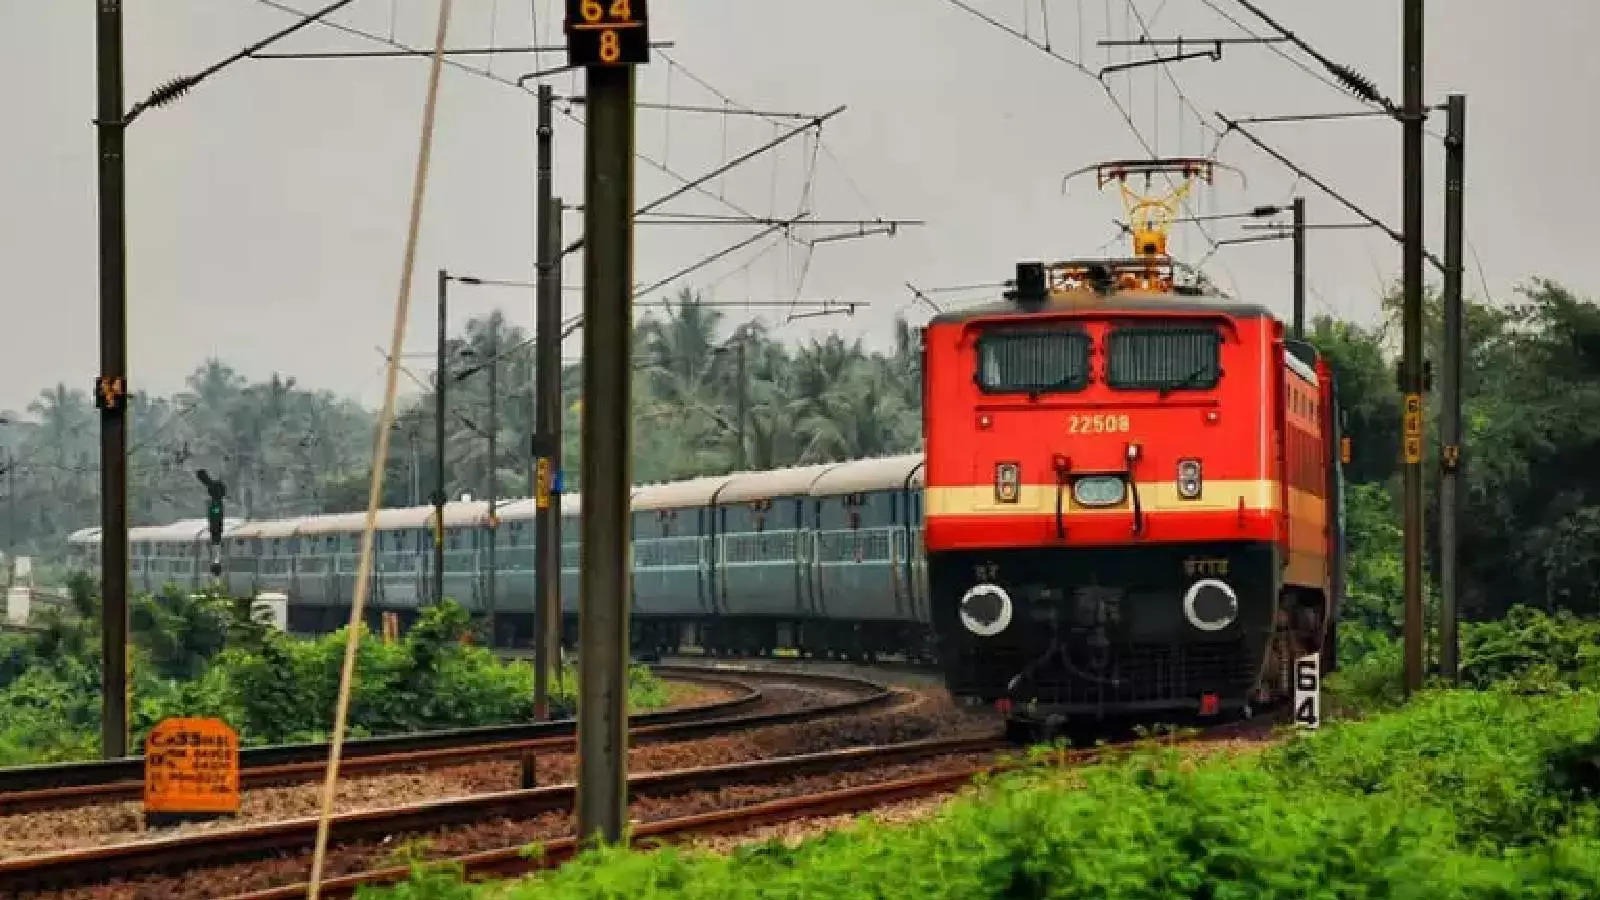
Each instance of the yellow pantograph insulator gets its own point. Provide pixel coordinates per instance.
(1150, 218)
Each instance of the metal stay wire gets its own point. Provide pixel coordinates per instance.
(380, 454)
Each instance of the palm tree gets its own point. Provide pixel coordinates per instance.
(63, 446)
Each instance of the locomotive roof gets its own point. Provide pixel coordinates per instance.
(1122, 301)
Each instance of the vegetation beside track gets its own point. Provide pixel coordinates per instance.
(1462, 794)
(196, 656)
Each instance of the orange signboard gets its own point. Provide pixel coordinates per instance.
(191, 766)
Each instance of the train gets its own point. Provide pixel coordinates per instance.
(1129, 504)
(1133, 493)
(820, 561)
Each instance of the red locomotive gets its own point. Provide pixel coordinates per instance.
(1133, 494)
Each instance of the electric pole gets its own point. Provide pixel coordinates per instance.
(1450, 412)
(608, 41)
(111, 387)
(494, 428)
(1412, 120)
(438, 442)
(547, 413)
(1299, 208)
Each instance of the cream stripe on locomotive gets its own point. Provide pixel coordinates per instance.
(1154, 496)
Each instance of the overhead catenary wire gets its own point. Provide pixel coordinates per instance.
(1183, 101)
(731, 164)
(1233, 125)
(515, 84)
(711, 258)
(177, 87)
(1118, 103)
(380, 454)
(731, 106)
(1353, 81)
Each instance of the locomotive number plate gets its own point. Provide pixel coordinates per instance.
(1097, 423)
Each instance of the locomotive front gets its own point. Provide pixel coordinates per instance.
(1104, 517)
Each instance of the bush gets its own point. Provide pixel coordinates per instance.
(1454, 797)
(1530, 651)
(194, 658)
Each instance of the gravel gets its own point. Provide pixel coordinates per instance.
(913, 716)
(919, 717)
(492, 834)
(122, 821)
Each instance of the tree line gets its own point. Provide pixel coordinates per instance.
(285, 450)
(712, 395)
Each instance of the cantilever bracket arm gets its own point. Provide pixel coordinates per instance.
(1214, 54)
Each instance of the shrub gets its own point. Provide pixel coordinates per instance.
(1452, 797)
(193, 659)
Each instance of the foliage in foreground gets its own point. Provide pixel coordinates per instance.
(194, 656)
(1529, 651)
(1464, 794)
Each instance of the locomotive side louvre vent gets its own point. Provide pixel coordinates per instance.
(1164, 358)
(1033, 360)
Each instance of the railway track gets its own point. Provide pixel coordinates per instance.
(96, 865)
(514, 861)
(54, 786)
(511, 862)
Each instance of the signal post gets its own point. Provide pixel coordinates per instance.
(608, 38)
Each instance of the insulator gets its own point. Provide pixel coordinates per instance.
(1357, 83)
(171, 91)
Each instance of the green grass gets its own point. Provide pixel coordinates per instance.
(1461, 795)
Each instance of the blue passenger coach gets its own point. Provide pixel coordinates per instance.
(825, 560)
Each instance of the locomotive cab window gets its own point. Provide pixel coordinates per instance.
(1164, 357)
(1033, 361)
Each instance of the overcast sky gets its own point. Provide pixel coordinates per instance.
(267, 208)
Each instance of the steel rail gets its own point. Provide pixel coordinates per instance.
(98, 864)
(75, 784)
(512, 862)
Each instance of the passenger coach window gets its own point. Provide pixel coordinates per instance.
(1164, 358)
(1033, 361)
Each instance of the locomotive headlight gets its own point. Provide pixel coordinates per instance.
(1189, 479)
(1099, 490)
(985, 610)
(1007, 482)
(1210, 605)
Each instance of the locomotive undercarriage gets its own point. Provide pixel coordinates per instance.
(1073, 642)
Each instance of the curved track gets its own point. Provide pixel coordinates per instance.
(98, 864)
(59, 785)
(912, 769)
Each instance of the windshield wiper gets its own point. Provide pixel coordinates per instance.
(1186, 381)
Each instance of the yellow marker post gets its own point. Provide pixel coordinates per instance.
(1413, 428)
(541, 483)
